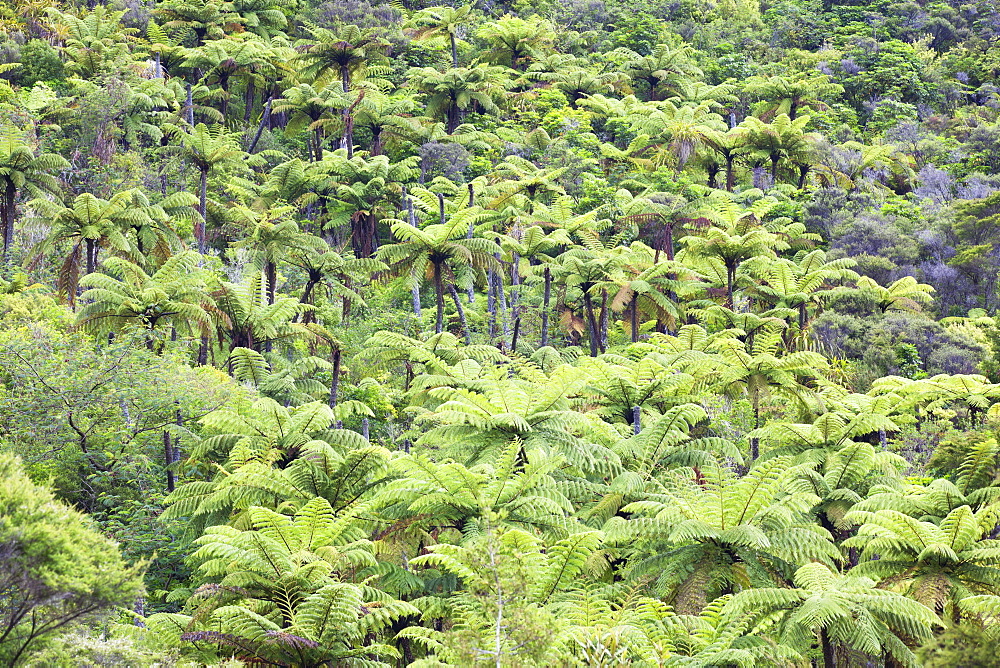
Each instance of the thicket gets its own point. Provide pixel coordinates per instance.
(534, 333)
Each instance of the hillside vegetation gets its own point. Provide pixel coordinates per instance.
(520, 333)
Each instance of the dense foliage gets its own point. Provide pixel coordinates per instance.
(534, 333)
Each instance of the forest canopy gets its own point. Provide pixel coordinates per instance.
(515, 333)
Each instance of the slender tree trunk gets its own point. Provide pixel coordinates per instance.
(248, 99)
(730, 172)
(190, 105)
(307, 296)
(91, 256)
(454, 50)
(636, 420)
(713, 173)
(517, 333)
(318, 137)
(349, 132)
(345, 78)
(491, 304)
(829, 656)
(546, 295)
(515, 285)
(199, 226)
(468, 235)
(803, 172)
(9, 197)
(461, 313)
(168, 460)
(412, 218)
(591, 323)
(203, 351)
(335, 379)
(271, 276)
(224, 87)
(345, 311)
(500, 295)
(635, 317)
(755, 442)
(604, 321)
(439, 290)
(730, 281)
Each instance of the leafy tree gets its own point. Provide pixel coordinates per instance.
(250, 319)
(904, 294)
(710, 532)
(208, 149)
(513, 41)
(783, 139)
(58, 570)
(223, 62)
(360, 195)
(271, 235)
(347, 54)
(88, 224)
(264, 18)
(39, 62)
(502, 568)
(842, 609)
(23, 172)
(175, 295)
(274, 457)
(103, 407)
(757, 371)
(437, 252)
(280, 591)
(453, 92)
(312, 110)
(729, 248)
(663, 70)
(939, 565)
(434, 22)
(201, 19)
(789, 95)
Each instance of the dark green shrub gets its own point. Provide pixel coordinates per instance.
(39, 62)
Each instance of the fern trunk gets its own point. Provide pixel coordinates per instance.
(412, 219)
(546, 296)
(9, 198)
(461, 313)
(468, 235)
(345, 311)
(439, 292)
(199, 226)
(491, 305)
(635, 318)
(829, 655)
(603, 325)
(91, 256)
(265, 118)
(168, 460)
(335, 380)
(730, 283)
(271, 273)
(588, 305)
